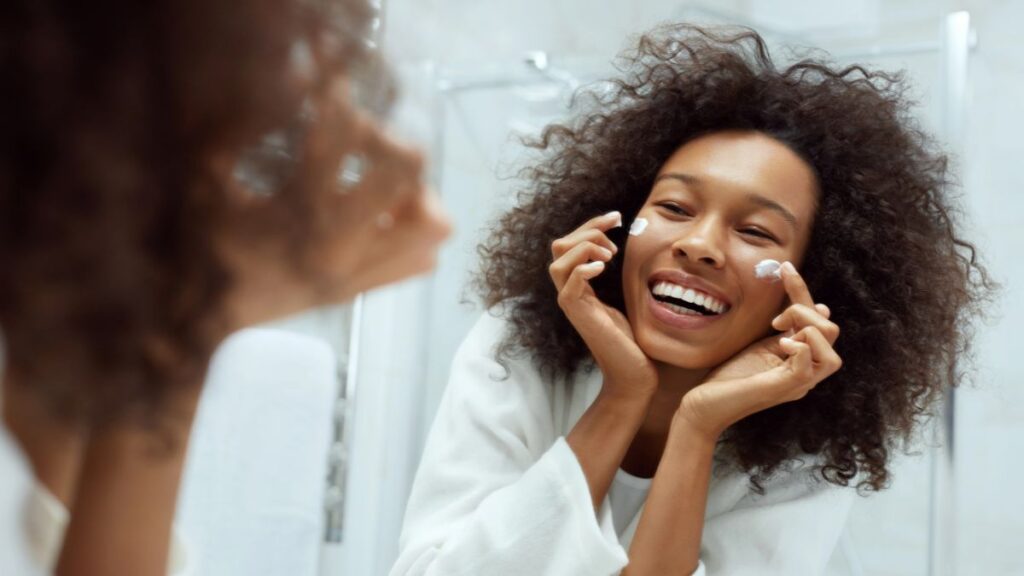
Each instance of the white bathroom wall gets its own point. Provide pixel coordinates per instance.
(990, 414)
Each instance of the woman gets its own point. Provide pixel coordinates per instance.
(169, 174)
(645, 403)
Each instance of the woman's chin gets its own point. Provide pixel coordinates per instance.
(677, 354)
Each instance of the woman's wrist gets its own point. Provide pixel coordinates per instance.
(702, 433)
(637, 391)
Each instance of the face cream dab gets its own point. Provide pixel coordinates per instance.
(768, 270)
(638, 226)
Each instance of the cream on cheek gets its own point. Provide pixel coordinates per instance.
(638, 227)
(768, 270)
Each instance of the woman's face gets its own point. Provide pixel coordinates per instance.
(720, 204)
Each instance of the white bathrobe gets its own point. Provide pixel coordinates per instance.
(500, 493)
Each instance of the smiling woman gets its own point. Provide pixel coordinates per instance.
(883, 248)
(715, 421)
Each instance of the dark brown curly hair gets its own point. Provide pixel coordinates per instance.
(885, 253)
(111, 291)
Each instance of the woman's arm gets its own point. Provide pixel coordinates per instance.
(123, 511)
(793, 528)
(668, 537)
(497, 491)
(601, 438)
(604, 433)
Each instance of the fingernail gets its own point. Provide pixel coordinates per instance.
(789, 267)
(608, 253)
(618, 217)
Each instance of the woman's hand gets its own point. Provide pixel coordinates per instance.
(779, 368)
(578, 258)
(372, 220)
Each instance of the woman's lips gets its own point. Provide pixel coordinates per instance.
(681, 321)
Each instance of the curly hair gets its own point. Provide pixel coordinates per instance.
(112, 294)
(885, 253)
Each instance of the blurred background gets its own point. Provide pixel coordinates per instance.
(475, 74)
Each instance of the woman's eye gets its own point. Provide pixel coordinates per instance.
(674, 208)
(757, 233)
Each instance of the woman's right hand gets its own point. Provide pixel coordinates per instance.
(381, 226)
(578, 258)
(776, 369)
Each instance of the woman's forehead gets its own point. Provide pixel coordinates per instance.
(747, 162)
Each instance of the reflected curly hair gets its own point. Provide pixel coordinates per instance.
(111, 292)
(885, 253)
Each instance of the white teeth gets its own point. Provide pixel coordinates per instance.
(688, 295)
(681, 310)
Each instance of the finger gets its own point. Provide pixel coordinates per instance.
(578, 283)
(799, 359)
(798, 316)
(392, 169)
(823, 310)
(813, 338)
(407, 249)
(795, 286)
(579, 254)
(563, 244)
(603, 223)
(823, 356)
(423, 218)
(390, 175)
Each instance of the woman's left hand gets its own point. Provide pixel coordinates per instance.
(777, 369)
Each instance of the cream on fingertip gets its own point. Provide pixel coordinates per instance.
(618, 217)
(638, 226)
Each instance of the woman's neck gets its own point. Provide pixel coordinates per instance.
(645, 452)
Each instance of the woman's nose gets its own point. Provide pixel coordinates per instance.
(701, 243)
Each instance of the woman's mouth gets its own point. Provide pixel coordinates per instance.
(684, 308)
(687, 300)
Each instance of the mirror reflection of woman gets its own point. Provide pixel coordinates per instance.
(642, 402)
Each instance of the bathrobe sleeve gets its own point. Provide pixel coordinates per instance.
(499, 491)
(792, 529)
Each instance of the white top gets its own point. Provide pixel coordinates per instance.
(499, 491)
(16, 484)
(626, 496)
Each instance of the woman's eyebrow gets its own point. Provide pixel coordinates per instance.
(684, 178)
(751, 197)
(775, 206)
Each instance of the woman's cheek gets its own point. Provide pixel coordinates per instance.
(766, 302)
